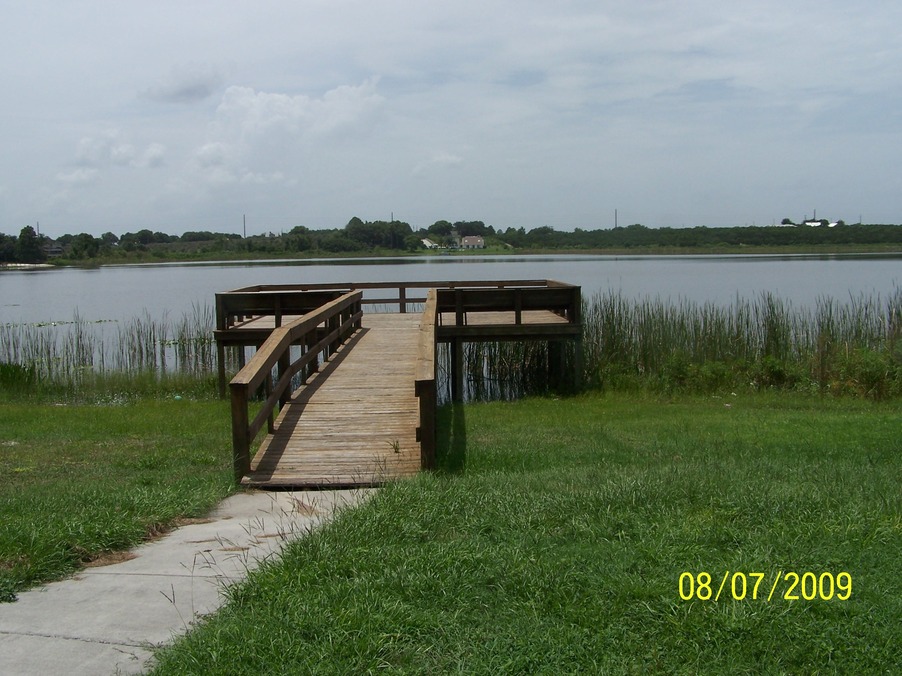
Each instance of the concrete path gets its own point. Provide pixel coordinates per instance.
(106, 620)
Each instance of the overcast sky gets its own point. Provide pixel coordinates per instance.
(186, 115)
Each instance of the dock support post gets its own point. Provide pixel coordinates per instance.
(220, 368)
(457, 370)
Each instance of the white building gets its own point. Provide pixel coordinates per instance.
(472, 242)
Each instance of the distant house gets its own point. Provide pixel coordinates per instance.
(53, 249)
(472, 242)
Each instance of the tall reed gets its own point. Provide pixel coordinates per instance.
(852, 347)
(72, 354)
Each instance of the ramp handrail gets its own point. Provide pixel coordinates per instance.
(320, 331)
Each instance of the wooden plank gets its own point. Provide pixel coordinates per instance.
(357, 426)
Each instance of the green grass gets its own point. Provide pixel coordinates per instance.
(554, 537)
(80, 481)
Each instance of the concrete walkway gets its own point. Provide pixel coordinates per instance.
(106, 620)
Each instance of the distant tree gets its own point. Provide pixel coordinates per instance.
(109, 239)
(84, 246)
(473, 229)
(413, 243)
(7, 248)
(198, 236)
(787, 221)
(440, 229)
(28, 247)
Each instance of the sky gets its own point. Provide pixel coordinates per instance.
(192, 115)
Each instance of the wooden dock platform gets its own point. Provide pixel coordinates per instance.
(360, 415)
(364, 412)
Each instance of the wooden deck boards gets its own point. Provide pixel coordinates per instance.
(360, 415)
(355, 422)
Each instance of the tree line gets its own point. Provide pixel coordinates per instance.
(360, 236)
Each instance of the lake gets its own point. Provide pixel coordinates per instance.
(120, 292)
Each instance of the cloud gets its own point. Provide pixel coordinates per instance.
(79, 177)
(271, 138)
(253, 113)
(556, 110)
(186, 84)
(154, 156)
(109, 150)
(439, 160)
(211, 154)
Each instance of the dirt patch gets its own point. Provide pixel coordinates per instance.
(186, 521)
(109, 559)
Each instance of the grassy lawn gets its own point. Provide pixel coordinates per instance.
(82, 481)
(555, 537)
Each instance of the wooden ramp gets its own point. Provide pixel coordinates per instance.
(360, 415)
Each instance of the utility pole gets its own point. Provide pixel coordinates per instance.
(244, 218)
(615, 219)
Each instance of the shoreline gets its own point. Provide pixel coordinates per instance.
(480, 253)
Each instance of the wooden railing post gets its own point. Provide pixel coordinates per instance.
(424, 384)
(284, 365)
(241, 451)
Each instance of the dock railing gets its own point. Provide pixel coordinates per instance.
(277, 299)
(321, 331)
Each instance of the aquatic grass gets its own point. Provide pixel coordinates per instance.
(760, 343)
(74, 355)
(844, 348)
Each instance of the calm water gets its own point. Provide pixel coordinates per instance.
(122, 292)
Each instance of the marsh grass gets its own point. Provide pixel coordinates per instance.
(82, 481)
(553, 538)
(843, 348)
(79, 356)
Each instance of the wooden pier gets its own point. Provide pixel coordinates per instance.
(348, 397)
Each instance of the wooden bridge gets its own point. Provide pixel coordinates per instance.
(347, 397)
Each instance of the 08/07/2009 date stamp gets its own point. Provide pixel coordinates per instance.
(788, 586)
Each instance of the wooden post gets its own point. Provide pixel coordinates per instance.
(457, 370)
(425, 390)
(241, 460)
(313, 366)
(267, 391)
(402, 295)
(284, 365)
(220, 368)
